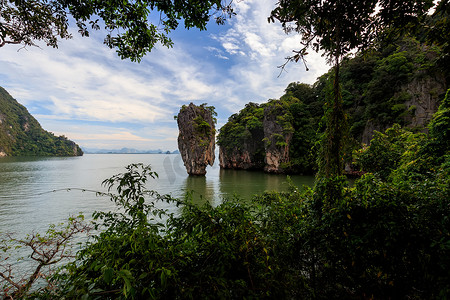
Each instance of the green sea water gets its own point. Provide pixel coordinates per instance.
(36, 192)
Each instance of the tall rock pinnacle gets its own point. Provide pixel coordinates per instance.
(196, 140)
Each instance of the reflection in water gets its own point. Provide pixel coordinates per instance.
(225, 184)
(246, 184)
(28, 201)
(201, 189)
(33, 191)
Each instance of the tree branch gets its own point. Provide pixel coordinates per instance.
(299, 55)
(47, 250)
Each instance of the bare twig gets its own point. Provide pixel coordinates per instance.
(48, 250)
(294, 58)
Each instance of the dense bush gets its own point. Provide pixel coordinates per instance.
(378, 239)
(203, 253)
(386, 150)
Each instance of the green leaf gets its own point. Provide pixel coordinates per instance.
(108, 275)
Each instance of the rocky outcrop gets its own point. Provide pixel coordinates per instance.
(247, 157)
(241, 140)
(423, 94)
(369, 129)
(258, 138)
(76, 150)
(277, 140)
(196, 139)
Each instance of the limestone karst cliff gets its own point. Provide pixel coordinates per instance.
(413, 102)
(259, 137)
(241, 140)
(277, 139)
(196, 139)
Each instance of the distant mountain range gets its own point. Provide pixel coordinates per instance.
(126, 151)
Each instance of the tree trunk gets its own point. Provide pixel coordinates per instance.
(334, 133)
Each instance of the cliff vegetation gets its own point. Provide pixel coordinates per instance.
(398, 82)
(22, 135)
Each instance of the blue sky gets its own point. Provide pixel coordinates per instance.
(84, 91)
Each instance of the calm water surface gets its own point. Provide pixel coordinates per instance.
(33, 191)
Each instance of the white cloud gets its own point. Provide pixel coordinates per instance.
(258, 48)
(115, 136)
(98, 135)
(217, 52)
(102, 87)
(231, 47)
(85, 82)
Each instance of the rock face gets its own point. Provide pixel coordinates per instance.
(241, 140)
(277, 140)
(423, 95)
(245, 158)
(196, 140)
(258, 138)
(369, 130)
(242, 146)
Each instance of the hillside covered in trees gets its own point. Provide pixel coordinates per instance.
(398, 81)
(22, 135)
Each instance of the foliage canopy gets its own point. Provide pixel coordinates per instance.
(131, 27)
(336, 28)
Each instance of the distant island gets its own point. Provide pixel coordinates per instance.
(22, 135)
(127, 151)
